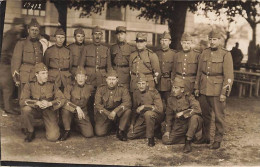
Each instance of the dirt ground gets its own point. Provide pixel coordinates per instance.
(241, 145)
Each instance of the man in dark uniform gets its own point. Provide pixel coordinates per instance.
(76, 49)
(6, 81)
(112, 104)
(166, 58)
(41, 98)
(214, 81)
(96, 58)
(27, 53)
(147, 111)
(186, 63)
(183, 117)
(59, 61)
(120, 54)
(77, 96)
(143, 61)
(237, 56)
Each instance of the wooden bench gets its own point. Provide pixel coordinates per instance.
(243, 85)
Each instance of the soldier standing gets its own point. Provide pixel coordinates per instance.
(77, 96)
(59, 61)
(96, 58)
(147, 111)
(186, 63)
(41, 98)
(143, 61)
(120, 54)
(214, 81)
(112, 104)
(76, 49)
(166, 58)
(27, 53)
(183, 117)
(10, 39)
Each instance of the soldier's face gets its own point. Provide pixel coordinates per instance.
(80, 38)
(33, 32)
(81, 79)
(186, 45)
(19, 27)
(60, 39)
(177, 91)
(121, 36)
(165, 43)
(42, 76)
(141, 44)
(214, 42)
(97, 36)
(112, 81)
(142, 86)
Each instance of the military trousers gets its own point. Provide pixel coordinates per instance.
(164, 96)
(84, 125)
(50, 120)
(145, 125)
(209, 104)
(103, 125)
(6, 86)
(184, 128)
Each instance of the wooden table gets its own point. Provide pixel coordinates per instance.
(255, 80)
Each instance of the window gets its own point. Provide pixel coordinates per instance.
(33, 7)
(115, 13)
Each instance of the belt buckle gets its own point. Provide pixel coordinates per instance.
(59, 69)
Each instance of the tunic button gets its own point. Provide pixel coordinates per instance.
(185, 55)
(184, 63)
(184, 59)
(184, 68)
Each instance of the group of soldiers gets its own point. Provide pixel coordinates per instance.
(130, 89)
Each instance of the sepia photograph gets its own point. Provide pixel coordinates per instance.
(130, 83)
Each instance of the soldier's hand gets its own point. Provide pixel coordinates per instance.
(17, 83)
(112, 115)
(139, 109)
(132, 128)
(41, 104)
(166, 134)
(80, 113)
(222, 98)
(179, 114)
(196, 92)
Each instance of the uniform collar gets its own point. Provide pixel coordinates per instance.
(79, 44)
(121, 43)
(58, 46)
(33, 39)
(214, 49)
(187, 51)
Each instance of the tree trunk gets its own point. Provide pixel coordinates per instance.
(177, 23)
(252, 56)
(226, 40)
(2, 21)
(62, 10)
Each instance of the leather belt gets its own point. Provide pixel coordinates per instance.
(212, 74)
(148, 73)
(121, 65)
(97, 67)
(166, 75)
(185, 75)
(75, 66)
(60, 69)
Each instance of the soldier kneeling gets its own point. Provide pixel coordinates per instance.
(183, 117)
(148, 111)
(77, 96)
(112, 105)
(41, 98)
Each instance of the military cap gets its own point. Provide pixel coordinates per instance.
(34, 23)
(40, 67)
(79, 31)
(166, 35)
(80, 70)
(186, 37)
(141, 37)
(17, 21)
(214, 34)
(112, 73)
(120, 29)
(59, 31)
(96, 29)
(141, 77)
(179, 82)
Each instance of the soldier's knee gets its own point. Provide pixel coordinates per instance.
(166, 141)
(195, 118)
(26, 110)
(130, 136)
(100, 131)
(148, 114)
(127, 112)
(53, 136)
(87, 133)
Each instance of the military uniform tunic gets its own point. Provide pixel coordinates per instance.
(120, 54)
(96, 59)
(215, 72)
(6, 81)
(107, 100)
(76, 51)
(27, 53)
(185, 67)
(145, 124)
(180, 128)
(146, 62)
(78, 96)
(59, 62)
(47, 91)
